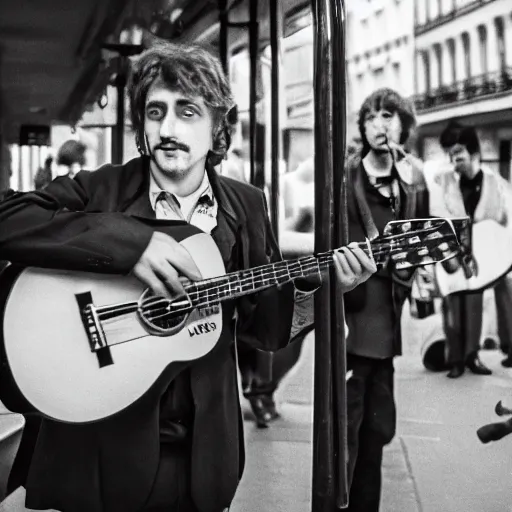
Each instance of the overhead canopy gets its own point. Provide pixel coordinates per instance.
(51, 61)
(50, 58)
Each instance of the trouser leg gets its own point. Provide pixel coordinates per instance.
(21, 464)
(452, 313)
(472, 324)
(503, 299)
(376, 430)
(360, 367)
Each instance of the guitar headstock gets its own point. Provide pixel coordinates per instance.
(419, 242)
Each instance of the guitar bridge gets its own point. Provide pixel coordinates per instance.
(94, 330)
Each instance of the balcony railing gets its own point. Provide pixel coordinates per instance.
(488, 84)
(441, 19)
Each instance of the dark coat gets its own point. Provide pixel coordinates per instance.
(415, 205)
(102, 222)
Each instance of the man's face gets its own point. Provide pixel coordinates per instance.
(462, 161)
(178, 130)
(380, 127)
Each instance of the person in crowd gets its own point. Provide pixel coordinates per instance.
(466, 187)
(179, 447)
(263, 377)
(384, 183)
(233, 166)
(44, 174)
(71, 158)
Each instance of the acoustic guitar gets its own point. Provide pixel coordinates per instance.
(80, 346)
(487, 256)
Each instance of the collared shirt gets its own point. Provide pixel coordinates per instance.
(471, 190)
(199, 208)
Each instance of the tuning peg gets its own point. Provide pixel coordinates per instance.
(402, 265)
(399, 256)
(424, 253)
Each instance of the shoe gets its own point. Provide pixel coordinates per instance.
(456, 371)
(270, 406)
(507, 362)
(490, 344)
(477, 367)
(494, 431)
(260, 412)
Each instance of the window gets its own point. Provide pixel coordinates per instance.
(378, 75)
(396, 75)
(467, 54)
(451, 55)
(426, 67)
(439, 63)
(482, 40)
(500, 36)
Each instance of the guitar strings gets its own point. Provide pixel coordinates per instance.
(220, 293)
(199, 289)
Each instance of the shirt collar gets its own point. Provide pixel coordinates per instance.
(204, 190)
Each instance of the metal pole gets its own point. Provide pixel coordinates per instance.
(253, 56)
(275, 145)
(223, 33)
(340, 237)
(118, 135)
(323, 486)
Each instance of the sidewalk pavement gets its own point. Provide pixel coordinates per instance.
(435, 463)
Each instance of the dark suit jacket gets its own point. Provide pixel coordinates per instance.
(415, 205)
(102, 222)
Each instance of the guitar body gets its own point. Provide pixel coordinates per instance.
(80, 347)
(49, 354)
(492, 252)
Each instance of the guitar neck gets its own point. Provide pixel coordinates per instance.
(245, 282)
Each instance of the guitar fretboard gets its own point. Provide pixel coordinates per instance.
(411, 244)
(244, 282)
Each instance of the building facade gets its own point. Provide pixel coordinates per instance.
(379, 50)
(464, 70)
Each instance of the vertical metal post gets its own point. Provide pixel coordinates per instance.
(223, 33)
(253, 57)
(118, 135)
(275, 145)
(323, 486)
(340, 237)
(330, 489)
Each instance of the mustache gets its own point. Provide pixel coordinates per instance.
(173, 144)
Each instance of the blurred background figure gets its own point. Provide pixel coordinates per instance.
(296, 240)
(234, 166)
(467, 187)
(71, 158)
(299, 197)
(44, 174)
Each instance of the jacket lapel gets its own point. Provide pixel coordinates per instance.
(363, 208)
(141, 207)
(410, 201)
(135, 198)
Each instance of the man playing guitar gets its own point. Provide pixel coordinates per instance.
(468, 188)
(180, 447)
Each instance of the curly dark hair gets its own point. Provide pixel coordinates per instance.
(457, 133)
(190, 69)
(72, 152)
(388, 99)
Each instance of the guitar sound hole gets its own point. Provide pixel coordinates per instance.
(162, 316)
